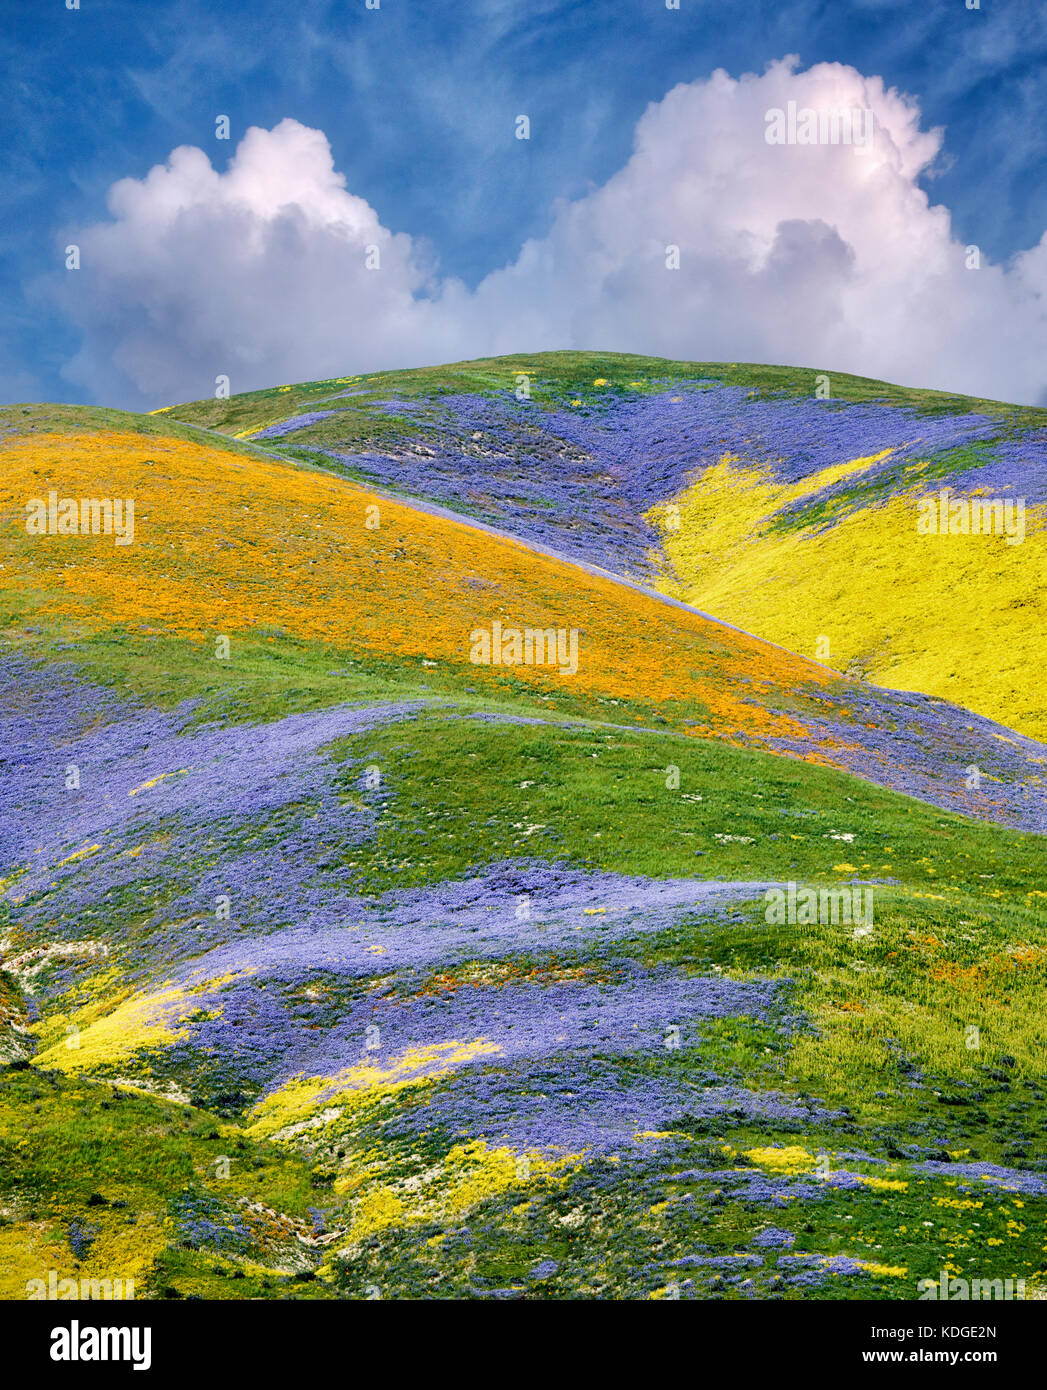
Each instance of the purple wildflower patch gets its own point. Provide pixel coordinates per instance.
(296, 422)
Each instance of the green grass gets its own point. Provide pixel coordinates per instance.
(50, 418)
(112, 1159)
(556, 377)
(845, 499)
(600, 797)
(875, 1029)
(881, 1040)
(273, 674)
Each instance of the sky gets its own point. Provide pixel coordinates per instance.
(375, 207)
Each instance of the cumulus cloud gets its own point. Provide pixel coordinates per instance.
(817, 255)
(259, 274)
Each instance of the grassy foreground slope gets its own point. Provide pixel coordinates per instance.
(337, 966)
(736, 487)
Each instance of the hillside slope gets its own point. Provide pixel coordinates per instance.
(736, 488)
(231, 547)
(336, 965)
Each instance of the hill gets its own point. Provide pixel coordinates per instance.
(736, 488)
(336, 962)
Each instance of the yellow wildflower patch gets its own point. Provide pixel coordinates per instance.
(792, 1158)
(471, 1173)
(298, 1098)
(896, 587)
(79, 854)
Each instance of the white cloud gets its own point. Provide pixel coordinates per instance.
(258, 274)
(811, 255)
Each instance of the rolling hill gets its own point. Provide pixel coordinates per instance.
(340, 959)
(738, 489)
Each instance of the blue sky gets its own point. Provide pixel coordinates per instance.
(417, 102)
